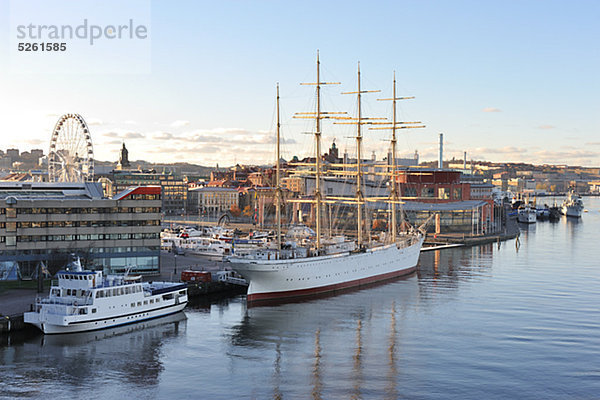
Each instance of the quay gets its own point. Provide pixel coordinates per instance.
(15, 302)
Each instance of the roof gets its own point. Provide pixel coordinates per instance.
(213, 189)
(51, 190)
(465, 205)
(137, 190)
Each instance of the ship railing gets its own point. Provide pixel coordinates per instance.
(79, 301)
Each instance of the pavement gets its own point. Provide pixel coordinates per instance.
(17, 301)
(171, 266)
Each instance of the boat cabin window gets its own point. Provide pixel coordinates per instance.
(56, 292)
(94, 310)
(82, 311)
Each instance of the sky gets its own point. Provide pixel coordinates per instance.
(505, 81)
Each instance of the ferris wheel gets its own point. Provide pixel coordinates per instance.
(71, 156)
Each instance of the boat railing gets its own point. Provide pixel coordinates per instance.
(79, 301)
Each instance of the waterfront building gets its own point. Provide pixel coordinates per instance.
(173, 187)
(212, 201)
(46, 222)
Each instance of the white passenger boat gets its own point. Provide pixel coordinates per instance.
(526, 214)
(86, 300)
(573, 205)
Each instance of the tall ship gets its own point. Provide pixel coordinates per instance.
(572, 206)
(319, 263)
(86, 300)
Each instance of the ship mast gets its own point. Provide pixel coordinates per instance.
(278, 169)
(318, 116)
(359, 121)
(396, 125)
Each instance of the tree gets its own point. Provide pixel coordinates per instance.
(235, 210)
(248, 211)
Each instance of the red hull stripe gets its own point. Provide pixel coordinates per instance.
(329, 288)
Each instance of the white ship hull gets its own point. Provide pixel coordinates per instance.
(572, 211)
(527, 216)
(73, 325)
(281, 279)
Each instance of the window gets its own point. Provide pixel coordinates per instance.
(457, 193)
(427, 192)
(444, 193)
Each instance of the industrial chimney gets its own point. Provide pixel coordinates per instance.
(441, 161)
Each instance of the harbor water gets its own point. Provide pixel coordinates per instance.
(498, 321)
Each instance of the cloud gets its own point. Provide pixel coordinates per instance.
(546, 127)
(34, 141)
(180, 123)
(491, 109)
(501, 150)
(93, 122)
(573, 154)
(122, 134)
(592, 144)
(130, 122)
(161, 135)
(238, 136)
(133, 135)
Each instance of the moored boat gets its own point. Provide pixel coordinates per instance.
(311, 263)
(526, 214)
(572, 206)
(85, 300)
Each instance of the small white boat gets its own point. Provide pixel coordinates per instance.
(573, 205)
(210, 248)
(86, 300)
(526, 214)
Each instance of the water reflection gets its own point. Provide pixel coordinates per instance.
(317, 383)
(448, 268)
(391, 391)
(357, 365)
(130, 353)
